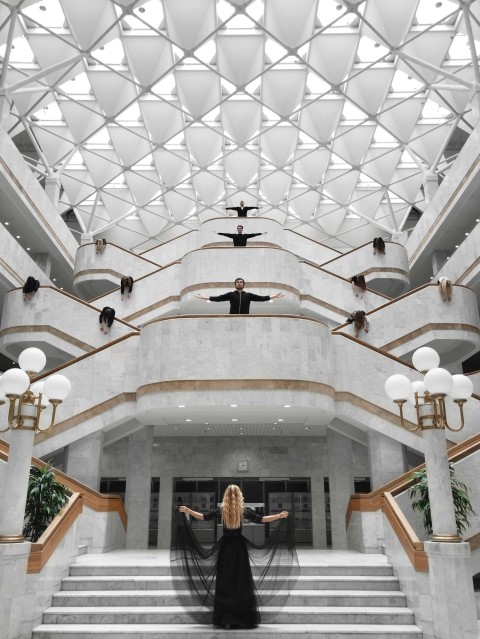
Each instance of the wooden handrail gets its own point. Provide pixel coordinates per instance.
(383, 499)
(84, 356)
(138, 255)
(138, 279)
(79, 301)
(91, 498)
(405, 533)
(357, 248)
(305, 237)
(168, 241)
(41, 550)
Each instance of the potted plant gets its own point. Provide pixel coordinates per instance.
(45, 498)
(461, 501)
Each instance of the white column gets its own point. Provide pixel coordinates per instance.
(451, 587)
(319, 524)
(13, 577)
(165, 504)
(387, 459)
(340, 473)
(439, 485)
(139, 478)
(86, 238)
(439, 259)
(15, 486)
(84, 458)
(44, 261)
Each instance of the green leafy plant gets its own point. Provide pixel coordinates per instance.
(461, 501)
(45, 498)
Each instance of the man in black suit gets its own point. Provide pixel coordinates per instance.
(242, 209)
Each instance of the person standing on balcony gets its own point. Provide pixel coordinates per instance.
(241, 210)
(359, 320)
(358, 285)
(240, 238)
(239, 299)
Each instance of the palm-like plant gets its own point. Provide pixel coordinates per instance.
(461, 501)
(45, 498)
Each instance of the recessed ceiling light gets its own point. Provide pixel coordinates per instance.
(188, 420)
(181, 406)
(280, 420)
(208, 427)
(273, 428)
(18, 237)
(54, 279)
(28, 248)
(456, 245)
(176, 428)
(7, 223)
(306, 427)
(286, 406)
(61, 288)
(477, 220)
(234, 420)
(241, 433)
(465, 234)
(234, 405)
(448, 258)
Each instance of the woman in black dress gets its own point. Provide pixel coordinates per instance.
(221, 577)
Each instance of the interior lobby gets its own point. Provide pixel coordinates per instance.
(132, 134)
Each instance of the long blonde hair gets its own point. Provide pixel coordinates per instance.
(232, 507)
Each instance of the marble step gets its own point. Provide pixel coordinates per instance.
(164, 570)
(266, 631)
(351, 598)
(179, 615)
(327, 582)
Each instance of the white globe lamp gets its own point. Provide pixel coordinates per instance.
(32, 360)
(438, 382)
(425, 358)
(398, 388)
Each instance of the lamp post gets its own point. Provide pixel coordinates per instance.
(26, 403)
(428, 397)
(453, 612)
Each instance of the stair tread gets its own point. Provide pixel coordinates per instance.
(296, 593)
(283, 609)
(359, 578)
(200, 628)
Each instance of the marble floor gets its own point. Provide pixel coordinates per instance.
(306, 557)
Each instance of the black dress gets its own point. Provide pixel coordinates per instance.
(221, 578)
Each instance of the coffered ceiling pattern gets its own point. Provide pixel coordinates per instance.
(150, 112)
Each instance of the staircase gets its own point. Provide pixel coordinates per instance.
(138, 601)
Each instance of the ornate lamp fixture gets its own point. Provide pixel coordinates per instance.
(28, 400)
(428, 396)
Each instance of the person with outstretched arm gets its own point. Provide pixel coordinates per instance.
(240, 238)
(239, 298)
(241, 210)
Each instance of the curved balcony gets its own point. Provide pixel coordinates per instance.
(95, 275)
(224, 224)
(387, 274)
(61, 334)
(422, 318)
(266, 271)
(265, 361)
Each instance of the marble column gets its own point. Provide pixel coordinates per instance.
(13, 578)
(139, 479)
(83, 459)
(439, 484)
(439, 259)
(341, 480)
(453, 599)
(165, 511)
(319, 524)
(387, 459)
(15, 485)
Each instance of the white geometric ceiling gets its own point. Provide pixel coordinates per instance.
(152, 111)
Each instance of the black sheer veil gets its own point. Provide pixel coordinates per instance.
(274, 566)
